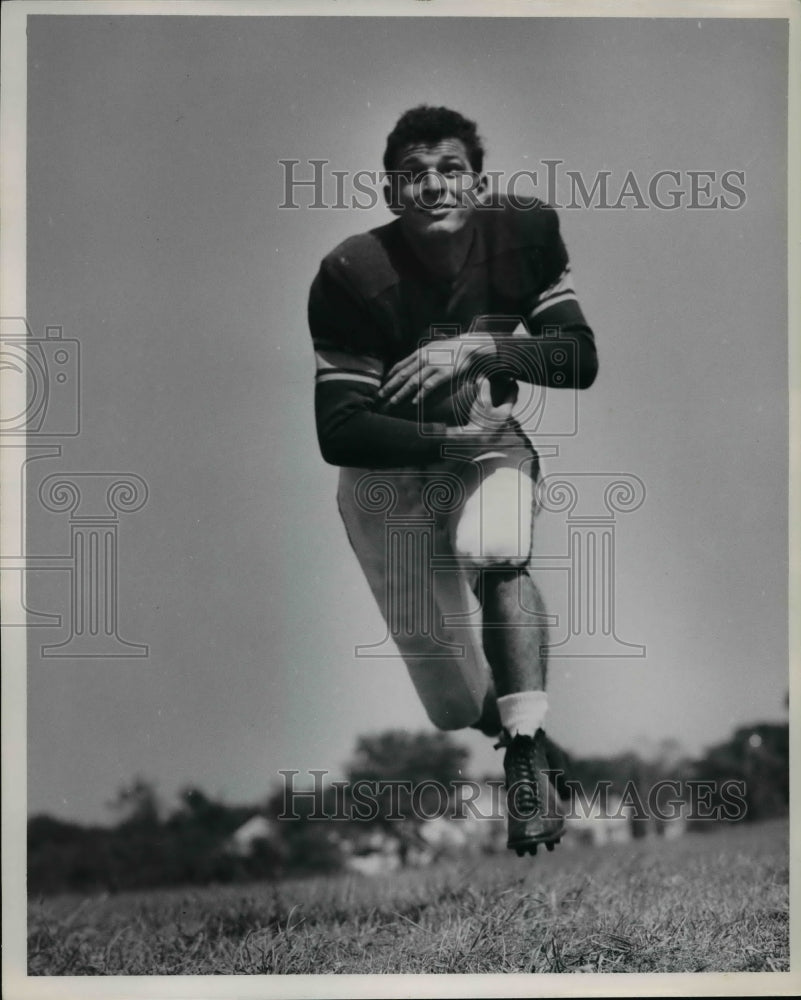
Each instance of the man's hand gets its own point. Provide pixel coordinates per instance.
(431, 365)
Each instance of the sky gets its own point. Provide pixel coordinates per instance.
(156, 240)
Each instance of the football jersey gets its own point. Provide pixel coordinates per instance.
(373, 303)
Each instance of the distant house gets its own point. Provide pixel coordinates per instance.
(673, 828)
(415, 844)
(374, 853)
(373, 864)
(598, 826)
(616, 823)
(243, 841)
(443, 834)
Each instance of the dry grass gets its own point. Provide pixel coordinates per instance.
(714, 902)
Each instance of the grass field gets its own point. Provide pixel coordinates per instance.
(708, 902)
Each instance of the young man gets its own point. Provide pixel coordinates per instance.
(422, 329)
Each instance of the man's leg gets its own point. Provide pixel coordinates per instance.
(515, 644)
(513, 639)
(446, 663)
(494, 533)
(514, 630)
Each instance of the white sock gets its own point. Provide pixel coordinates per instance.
(523, 712)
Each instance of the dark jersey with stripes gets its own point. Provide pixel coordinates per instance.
(373, 303)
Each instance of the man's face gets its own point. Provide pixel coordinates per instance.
(437, 188)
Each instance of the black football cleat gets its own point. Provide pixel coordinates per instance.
(532, 803)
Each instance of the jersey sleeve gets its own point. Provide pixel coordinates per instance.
(556, 346)
(349, 371)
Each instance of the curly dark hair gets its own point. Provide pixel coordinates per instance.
(428, 124)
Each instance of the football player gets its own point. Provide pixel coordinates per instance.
(422, 329)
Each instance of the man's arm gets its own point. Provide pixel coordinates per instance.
(351, 433)
(555, 324)
(351, 429)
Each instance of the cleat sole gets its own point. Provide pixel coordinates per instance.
(523, 849)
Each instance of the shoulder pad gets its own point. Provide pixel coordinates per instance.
(513, 223)
(363, 262)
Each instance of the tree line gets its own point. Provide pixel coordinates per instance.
(191, 843)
